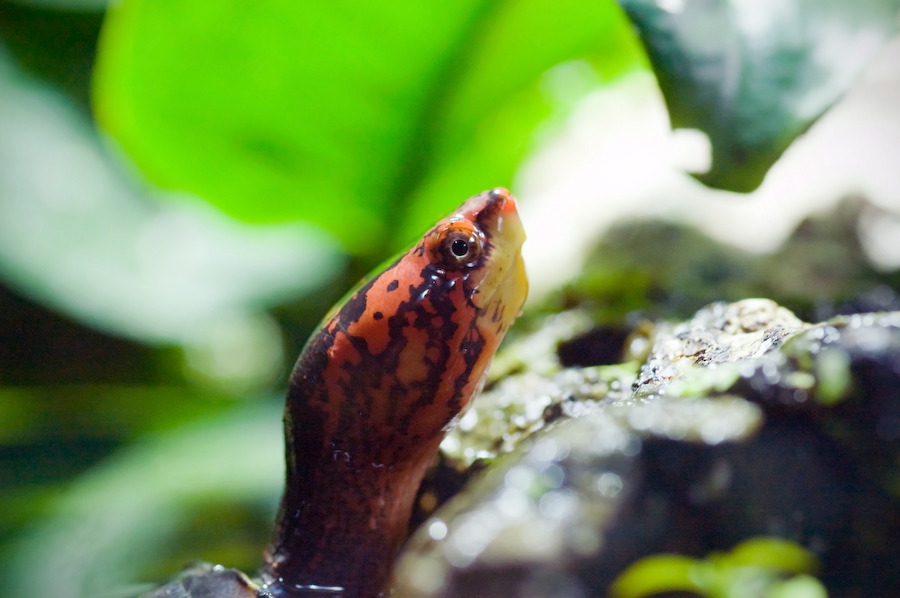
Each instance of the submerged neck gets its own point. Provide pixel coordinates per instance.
(341, 525)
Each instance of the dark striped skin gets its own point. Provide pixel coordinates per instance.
(375, 390)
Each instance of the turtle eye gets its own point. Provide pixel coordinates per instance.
(460, 246)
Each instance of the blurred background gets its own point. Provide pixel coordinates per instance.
(186, 187)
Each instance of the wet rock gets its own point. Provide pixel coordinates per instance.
(718, 334)
(666, 270)
(742, 422)
(208, 581)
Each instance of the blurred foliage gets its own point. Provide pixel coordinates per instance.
(157, 505)
(146, 326)
(283, 110)
(754, 76)
(755, 568)
(820, 270)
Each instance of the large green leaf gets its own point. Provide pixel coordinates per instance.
(365, 119)
(755, 75)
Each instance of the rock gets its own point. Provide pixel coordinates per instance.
(623, 449)
(208, 581)
(718, 334)
(739, 424)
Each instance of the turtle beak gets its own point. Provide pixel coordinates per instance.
(505, 285)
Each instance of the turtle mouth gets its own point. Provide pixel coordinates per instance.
(503, 288)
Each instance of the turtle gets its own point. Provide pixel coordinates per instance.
(375, 389)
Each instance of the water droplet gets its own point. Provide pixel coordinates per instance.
(437, 530)
(609, 484)
(559, 504)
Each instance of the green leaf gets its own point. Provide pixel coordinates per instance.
(655, 574)
(747, 570)
(772, 553)
(755, 75)
(525, 67)
(369, 120)
(801, 586)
